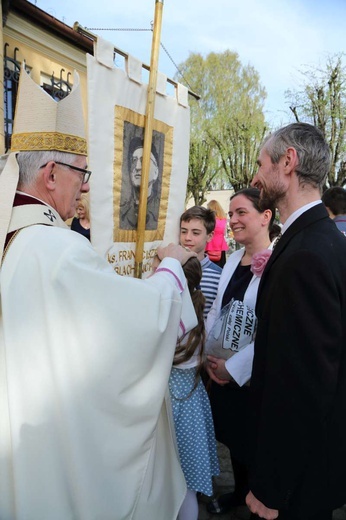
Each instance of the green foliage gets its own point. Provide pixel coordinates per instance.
(202, 170)
(227, 123)
(321, 101)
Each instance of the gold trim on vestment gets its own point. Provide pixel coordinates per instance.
(40, 141)
(8, 245)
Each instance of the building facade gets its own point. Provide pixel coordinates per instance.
(51, 51)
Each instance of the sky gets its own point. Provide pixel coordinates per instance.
(279, 38)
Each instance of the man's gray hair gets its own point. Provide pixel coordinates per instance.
(311, 147)
(31, 162)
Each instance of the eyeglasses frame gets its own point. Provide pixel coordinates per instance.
(86, 173)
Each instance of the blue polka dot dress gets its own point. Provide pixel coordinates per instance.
(194, 430)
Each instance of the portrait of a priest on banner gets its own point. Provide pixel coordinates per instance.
(132, 176)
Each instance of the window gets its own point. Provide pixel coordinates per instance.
(58, 88)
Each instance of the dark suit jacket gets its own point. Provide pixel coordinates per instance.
(298, 384)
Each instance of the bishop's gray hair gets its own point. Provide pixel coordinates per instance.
(31, 162)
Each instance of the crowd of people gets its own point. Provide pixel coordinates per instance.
(111, 401)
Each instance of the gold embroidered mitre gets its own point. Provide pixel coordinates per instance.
(41, 123)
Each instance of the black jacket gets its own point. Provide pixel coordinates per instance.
(298, 384)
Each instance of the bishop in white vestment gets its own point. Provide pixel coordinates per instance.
(85, 354)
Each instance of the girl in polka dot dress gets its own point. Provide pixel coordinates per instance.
(191, 408)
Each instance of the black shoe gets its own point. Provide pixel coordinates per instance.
(223, 504)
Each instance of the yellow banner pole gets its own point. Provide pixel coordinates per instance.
(148, 136)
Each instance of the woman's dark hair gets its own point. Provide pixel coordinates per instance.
(253, 194)
(196, 337)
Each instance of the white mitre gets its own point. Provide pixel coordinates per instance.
(40, 124)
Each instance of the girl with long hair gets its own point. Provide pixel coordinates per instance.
(190, 403)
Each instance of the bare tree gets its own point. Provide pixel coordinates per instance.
(322, 102)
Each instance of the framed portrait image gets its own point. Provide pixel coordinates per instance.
(127, 175)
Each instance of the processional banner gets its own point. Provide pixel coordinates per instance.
(116, 118)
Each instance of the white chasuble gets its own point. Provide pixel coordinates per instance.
(85, 360)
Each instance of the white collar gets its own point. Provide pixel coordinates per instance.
(297, 214)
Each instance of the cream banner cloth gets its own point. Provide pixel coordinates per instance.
(117, 104)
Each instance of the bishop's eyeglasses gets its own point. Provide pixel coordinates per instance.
(86, 173)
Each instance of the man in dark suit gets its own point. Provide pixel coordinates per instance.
(298, 384)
